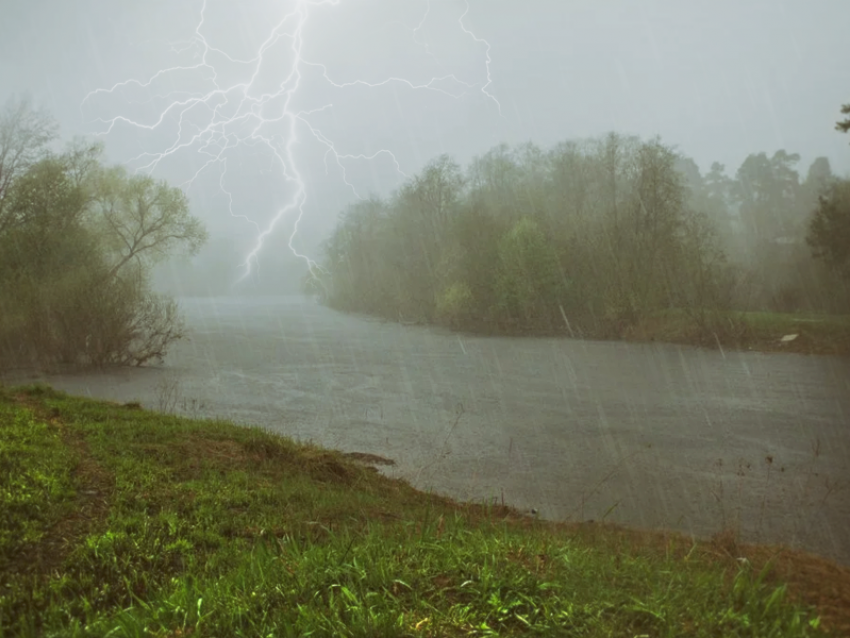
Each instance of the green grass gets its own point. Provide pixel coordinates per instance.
(763, 331)
(121, 522)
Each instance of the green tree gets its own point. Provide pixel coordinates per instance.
(49, 263)
(687, 168)
(717, 205)
(76, 244)
(819, 174)
(454, 304)
(142, 220)
(829, 228)
(591, 230)
(570, 187)
(45, 199)
(468, 262)
(767, 190)
(357, 259)
(818, 179)
(25, 136)
(422, 213)
(493, 179)
(530, 286)
(718, 186)
(435, 193)
(651, 228)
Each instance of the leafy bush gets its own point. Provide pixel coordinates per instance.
(455, 304)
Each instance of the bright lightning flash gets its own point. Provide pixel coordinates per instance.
(235, 114)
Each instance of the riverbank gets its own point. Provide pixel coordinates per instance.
(128, 521)
(732, 330)
(758, 331)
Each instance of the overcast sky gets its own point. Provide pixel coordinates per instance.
(717, 79)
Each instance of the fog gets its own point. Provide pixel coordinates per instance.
(539, 182)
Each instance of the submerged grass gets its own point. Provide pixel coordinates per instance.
(121, 522)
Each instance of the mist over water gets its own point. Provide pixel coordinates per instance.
(640, 434)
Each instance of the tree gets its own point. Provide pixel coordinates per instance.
(688, 169)
(829, 228)
(819, 174)
(701, 282)
(708, 195)
(718, 194)
(468, 261)
(718, 186)
(653, 222)
(818, 179)
(45, 198)
(76, 244)
(25, 135)
(494, 172)
(768, 191)
(530, 286)
(50, 267)
(435, 193)
(417, 231)
(143, 220)
(569, 188)
(600, 231)
(357, 256)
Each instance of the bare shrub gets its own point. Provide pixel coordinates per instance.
(133, 326)
(168, 394)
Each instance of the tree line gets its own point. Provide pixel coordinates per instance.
(592, 236)
(77, 241)
(588, 237)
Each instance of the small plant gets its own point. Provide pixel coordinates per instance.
(168, 394)
(444, 451)
(192, 407)
(769, 461)
(587, 495)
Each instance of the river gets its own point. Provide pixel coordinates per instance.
(646, 435)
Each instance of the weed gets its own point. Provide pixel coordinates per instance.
(587, 495)
(168, 394)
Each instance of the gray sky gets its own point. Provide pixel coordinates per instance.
(718, 80)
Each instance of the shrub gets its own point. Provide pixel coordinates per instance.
(455, 305)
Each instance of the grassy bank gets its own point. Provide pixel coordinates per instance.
(123, 522)
(733, 330)
(761, 331)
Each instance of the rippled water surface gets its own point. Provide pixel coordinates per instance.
(645, 435)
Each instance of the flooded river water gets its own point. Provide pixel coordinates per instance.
(646, 435)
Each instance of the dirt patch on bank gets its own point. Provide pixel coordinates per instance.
(368, 459)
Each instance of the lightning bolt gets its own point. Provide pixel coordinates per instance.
(489, 60)
(226, 116)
